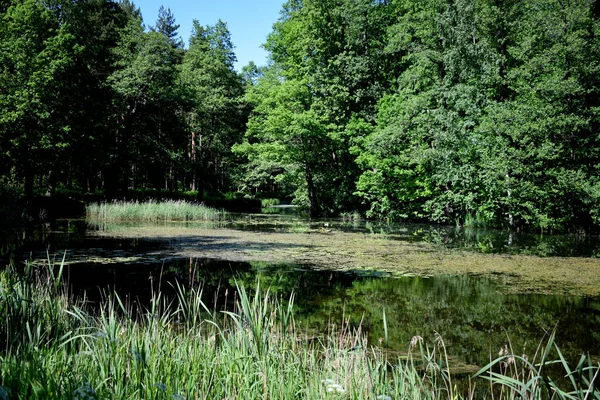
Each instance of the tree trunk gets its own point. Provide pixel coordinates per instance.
(51, 183)
(198, 170)
(193, 160)
(511, 222)
(313, 203)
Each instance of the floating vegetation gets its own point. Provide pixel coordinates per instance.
(328, 248)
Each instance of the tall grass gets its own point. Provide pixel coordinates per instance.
(269, 202)
(515, 376)
(353, 216)
(56, 349)
(152, 211)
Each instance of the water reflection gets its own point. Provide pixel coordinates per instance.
(472, 315)
(473, 239)
(62, 234)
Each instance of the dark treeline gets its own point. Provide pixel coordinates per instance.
(452, 111)
(91, 100)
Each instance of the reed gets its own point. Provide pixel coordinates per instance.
(56, 348)
(152, 211)
(269, 202)
(516, 376)
(351, 216)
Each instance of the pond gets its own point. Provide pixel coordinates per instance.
(426, 279)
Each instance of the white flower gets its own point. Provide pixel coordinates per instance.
(333, 387)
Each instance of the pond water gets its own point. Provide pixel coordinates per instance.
(475, 315)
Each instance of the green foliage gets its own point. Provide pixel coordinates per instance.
(432, 110)
(490, 118)
(269, 202)
(146, 105)
(91, 100)
(37, 52)
(214, 112)
(283, 130)
(166, 25)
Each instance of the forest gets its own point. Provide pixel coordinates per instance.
(466, 112)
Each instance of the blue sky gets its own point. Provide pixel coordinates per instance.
(248, 21)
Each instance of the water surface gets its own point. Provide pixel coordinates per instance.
(476, 314)
(472, 314)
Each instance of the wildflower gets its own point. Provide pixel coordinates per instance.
(332, 387)
(336, 389)
(383, 397)
(414, 341)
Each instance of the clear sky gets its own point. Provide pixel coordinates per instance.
(249, 21)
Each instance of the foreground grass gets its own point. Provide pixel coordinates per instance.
(152, 211)
(52, 348)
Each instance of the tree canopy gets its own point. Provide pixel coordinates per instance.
(482, 112)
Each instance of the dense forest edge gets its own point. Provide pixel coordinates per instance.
(467, 112)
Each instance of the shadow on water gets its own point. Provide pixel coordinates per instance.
(62, 234)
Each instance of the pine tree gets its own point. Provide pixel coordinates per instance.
(166, 25)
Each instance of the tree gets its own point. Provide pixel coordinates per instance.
(145, 103)
(283, 129)
(166, 25)
(334, 49)
(213, 113)
(36, 52)
(492, 116)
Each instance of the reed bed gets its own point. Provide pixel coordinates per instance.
(152, 211)
(52, 347)
(269, 202)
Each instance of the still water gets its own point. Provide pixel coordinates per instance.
(474, 315)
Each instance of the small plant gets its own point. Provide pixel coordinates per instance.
(353, 216)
